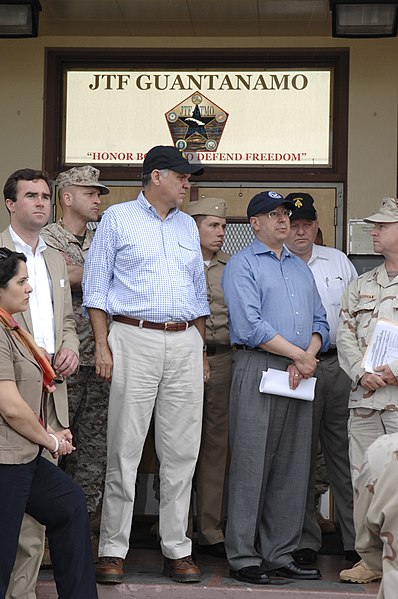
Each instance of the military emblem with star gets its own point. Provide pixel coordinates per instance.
(196, 124)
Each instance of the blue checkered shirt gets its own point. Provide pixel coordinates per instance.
(144, 267)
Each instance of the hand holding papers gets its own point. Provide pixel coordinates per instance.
(276, 382)
(383, 346)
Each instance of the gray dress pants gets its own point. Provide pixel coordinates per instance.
(270, 440)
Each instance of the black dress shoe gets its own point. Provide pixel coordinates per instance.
(251, 574)
(218, 549)
(294, 570)
(305, 557)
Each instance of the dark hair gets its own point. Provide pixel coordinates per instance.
(199, 218)
(9, 265)
(23, 174)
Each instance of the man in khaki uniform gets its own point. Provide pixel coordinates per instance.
(376, 513)
(373, 401)
(80, 192)
(209, 214)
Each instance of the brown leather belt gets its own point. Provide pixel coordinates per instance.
(159, 326)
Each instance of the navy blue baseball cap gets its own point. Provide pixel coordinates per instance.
(265, 202)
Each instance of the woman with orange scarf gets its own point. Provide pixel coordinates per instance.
(28, 482)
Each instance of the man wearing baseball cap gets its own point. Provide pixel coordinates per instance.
(276, 320)
(373, 401)
(79, 193)
(332, 272)
(210, 217)
(145, 270)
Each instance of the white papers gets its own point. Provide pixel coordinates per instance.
(276, 382)
(383, 346)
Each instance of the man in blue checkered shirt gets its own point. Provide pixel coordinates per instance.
(145, 270)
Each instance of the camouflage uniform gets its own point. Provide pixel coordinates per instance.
(87, 394)
(372, 413)
(376, 512)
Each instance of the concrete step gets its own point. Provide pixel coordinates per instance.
(144, 579)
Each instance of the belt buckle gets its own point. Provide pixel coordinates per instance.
(168, 323)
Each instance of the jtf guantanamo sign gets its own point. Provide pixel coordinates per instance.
(223, 118)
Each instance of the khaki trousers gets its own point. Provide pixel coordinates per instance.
(160, 373)
(212, 461)
(365, 426)
(376, 512)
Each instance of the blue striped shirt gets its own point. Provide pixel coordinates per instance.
(144, 267)
(267, 296)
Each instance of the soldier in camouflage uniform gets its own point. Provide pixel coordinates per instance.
(376, 514)
(373, 399)
(79, 196)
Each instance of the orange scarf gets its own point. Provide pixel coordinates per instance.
(27, 340)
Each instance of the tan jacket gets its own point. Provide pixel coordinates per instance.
(217, 322)
(367, 298)
(17, 364)
(64, 322)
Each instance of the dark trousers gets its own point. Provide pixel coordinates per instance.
(47, 494)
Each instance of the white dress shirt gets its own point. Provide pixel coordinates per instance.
(332, 272)
(40, 301)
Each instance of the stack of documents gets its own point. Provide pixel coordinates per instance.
(276, 382)
(383, 346)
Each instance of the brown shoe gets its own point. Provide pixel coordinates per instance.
(182, 570)
(110, 569)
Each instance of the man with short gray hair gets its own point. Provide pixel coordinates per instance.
(145, 270)
(332, 272)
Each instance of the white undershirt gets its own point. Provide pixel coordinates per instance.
(40, 301)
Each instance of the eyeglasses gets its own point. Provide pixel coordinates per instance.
(274, 214)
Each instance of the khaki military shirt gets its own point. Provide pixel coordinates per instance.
(367, 298)
(57, 236)
(217, 322)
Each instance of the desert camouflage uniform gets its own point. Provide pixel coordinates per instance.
(376, 512)
(372, 413)
(87, 394)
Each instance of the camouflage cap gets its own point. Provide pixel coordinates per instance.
(208, 207)
(85, 176)
(388, 212)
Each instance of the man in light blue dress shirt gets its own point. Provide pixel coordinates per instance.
(145, 270)
(276, 320)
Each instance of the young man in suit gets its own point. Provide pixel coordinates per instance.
(49, 318)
